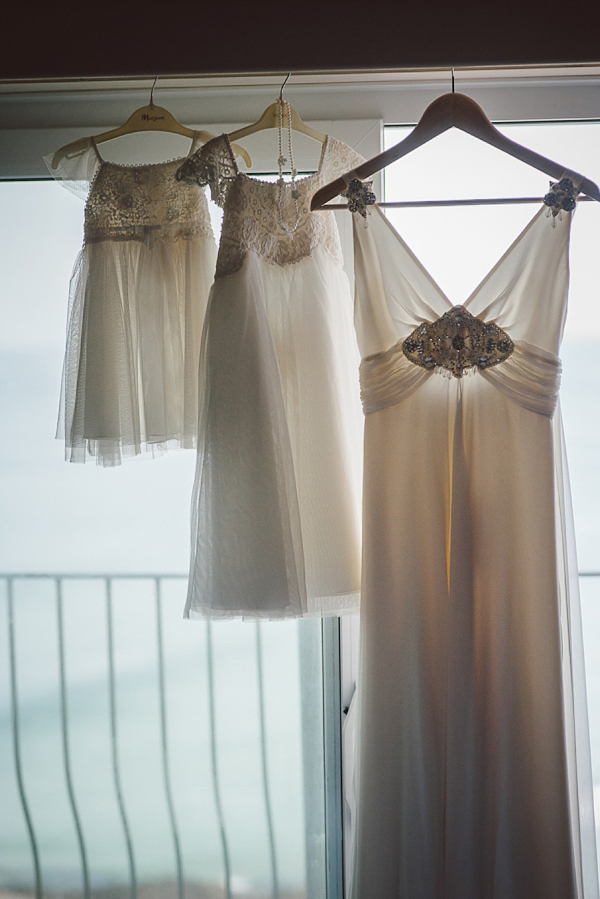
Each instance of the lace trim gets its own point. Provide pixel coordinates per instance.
(144, 165)
(144, 203)
(253, 215)
(148, 234)
(213, 165)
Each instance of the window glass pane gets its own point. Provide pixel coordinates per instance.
(189, 746)
(459, 245)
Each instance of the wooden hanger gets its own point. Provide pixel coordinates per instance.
(270, 119)
(146, 118)
(458, 111)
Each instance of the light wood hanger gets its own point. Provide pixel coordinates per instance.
(270, 119)
(458, 111)
(146, 118)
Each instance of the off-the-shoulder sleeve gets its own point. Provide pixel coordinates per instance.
(213, 164)
(75, 166)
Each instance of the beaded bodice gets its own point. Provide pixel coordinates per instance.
(264, 216)
(456, 343)
(144, 203)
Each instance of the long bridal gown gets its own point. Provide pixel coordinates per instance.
(474, 777)
(275, 511)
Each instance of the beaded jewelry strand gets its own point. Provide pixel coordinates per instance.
(281, 161)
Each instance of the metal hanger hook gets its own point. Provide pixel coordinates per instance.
(287, 78)
(452, 72)
(152, 91)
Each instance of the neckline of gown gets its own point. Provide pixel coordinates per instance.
(143, 165)
(520, 236)
(254, 180)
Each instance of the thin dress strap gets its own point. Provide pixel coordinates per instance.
(96, 150)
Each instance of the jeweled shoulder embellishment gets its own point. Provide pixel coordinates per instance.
(561, 196)
(457, 342)
(360, 196)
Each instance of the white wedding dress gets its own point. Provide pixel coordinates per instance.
(275, 511)
(474, 776)
(138, 296)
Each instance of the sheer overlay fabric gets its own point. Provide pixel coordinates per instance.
(275, 511)
(474, 774)
(137, 301)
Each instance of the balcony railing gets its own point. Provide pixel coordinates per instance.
(117, 712)
(142, 756)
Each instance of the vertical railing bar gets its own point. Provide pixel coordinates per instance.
(114, 741)
(164, 741)
(65, 737)
(313, 766)
(332, 721)
(213, 754)
(263, 756)
(326, 766)
(17, 740)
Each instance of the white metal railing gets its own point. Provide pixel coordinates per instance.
(331, 759)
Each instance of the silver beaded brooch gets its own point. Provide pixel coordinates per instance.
(561, 196)
(360, 196)
(456, 342)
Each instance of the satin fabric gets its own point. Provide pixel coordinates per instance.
(474, 775)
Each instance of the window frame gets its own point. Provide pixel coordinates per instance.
(39, 117)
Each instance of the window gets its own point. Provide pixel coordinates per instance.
(204, 761)
(140, 753)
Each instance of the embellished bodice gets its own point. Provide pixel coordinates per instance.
(273, 219)
(506, 334)
(457, 342)
(144, 203)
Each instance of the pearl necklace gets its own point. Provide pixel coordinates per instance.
(281, 161)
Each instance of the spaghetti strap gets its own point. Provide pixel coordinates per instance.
(96, 150)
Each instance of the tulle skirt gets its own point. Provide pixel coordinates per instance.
(134, 331)
(275, 511)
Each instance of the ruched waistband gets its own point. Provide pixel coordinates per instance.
(530, 377)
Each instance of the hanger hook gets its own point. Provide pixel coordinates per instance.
(287, 78)
(452, 79)
(152, 91)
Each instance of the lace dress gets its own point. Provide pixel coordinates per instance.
(474, 777)
(137, 301)
(275, 507)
